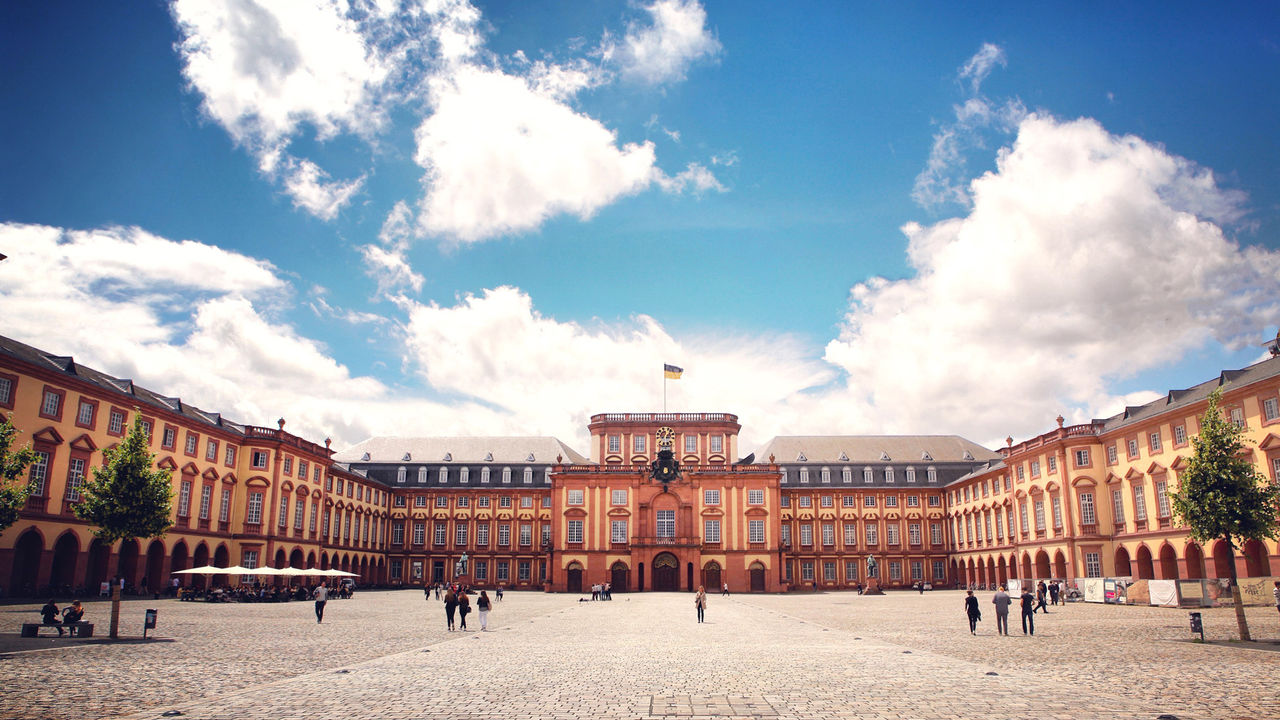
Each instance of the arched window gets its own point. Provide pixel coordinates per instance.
(826, 475)
(444, 475)
(933, 475)
(528, 475)
(422, 474)
(464, 475)
(484, 474)
(867, 475)
(911, 474)
(846, 475)
(888, 474)
(506, 474)
(804, 474)
(401, 474)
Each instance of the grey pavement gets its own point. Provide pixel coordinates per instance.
(838, 655)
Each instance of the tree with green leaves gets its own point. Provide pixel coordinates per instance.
(1222, 496)
(14, 488)
(127, 498)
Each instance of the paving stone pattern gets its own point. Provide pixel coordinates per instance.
(837, 655)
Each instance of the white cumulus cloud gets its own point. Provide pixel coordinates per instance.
(662, 51)
(1086, 257)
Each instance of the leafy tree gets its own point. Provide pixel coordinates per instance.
(13, 465)
(1221, 496)
(127, 498)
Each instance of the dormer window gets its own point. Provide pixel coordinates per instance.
(933, 475)
(844, 457)
(846, 475)
(444, 475)
(888, 474)
(407, 458)
(365, 457)
(826, 475)
(804, 475)
(528, 475)
(484, 473)
(448, 457)
(968, 455)
(401, 474)
(506, 475)
(422, 474)
(867, 475)
(925, 456)
(884, 456)
(801, 458)
(488, 457)
(530, 458)
(464, 475)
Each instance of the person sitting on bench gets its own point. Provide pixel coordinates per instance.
(49, 616)
(71, 615)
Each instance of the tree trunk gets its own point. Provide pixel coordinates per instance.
(1241, 621)
(115, 609)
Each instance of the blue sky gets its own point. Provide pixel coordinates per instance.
(437, 217)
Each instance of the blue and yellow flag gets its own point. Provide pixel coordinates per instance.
(672, 372)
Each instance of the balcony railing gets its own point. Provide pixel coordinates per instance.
(688, 541)
(664, 417)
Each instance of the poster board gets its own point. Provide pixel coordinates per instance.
(1192, 593)
(1257, 590)
(1163, 593)
(1138, 593)
(1094, 590)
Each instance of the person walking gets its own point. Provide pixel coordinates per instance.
(464, 607)
(450, 606)
(1040, 598)
(1002, 601)
(498, 592)
(700, 602)
(971, 609)
(482, 605)
(1028, 613)
(724, 592)
(1276, 592)
(321, 596)
(1054, 592)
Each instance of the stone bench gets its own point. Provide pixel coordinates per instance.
(78, 629)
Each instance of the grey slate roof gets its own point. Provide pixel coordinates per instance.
(1175, 399)
(873, 449)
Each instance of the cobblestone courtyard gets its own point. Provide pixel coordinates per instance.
(840, 655)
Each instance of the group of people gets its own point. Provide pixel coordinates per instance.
(1029, 604)
(602, 591)
(457, 602)
(69, 616)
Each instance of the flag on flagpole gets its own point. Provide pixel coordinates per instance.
(672, 372)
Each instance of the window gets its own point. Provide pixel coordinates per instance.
(75, 479)
(826, 475)
(913, 533)
(913, 501)
(302, 469)
(1154, 442)
(260, 460)
(288, 465)
(526, 534)
(806, 534)
(184, 499)
(482, 501)
(755, 497)
(504, 533)
(169, 437)
(939, 571)
(872, 533)
(115, 424)
(690, 444)
(229, 458)
(249, 562)
(1022, 474)
(299, 512)
(506, 475)
(1082, 458)
(711, 497)
(522, 568)
(1162, 499)
(895, 570)
(1087, 513)
(806, 501)
(666, 523)
(224, 510)
(806, 571)
(1117, 505)
(6, 391)
(484, 475)
(443, 475)
(1179, 435)
(504, 501)
(917, 571)
(575, 497)
(482, 534)
(1275, 469)
(84, 416)
(804, 474)
(615, 443)
(1112, 457)
(193, 441)
(38, 473)
(891, 533)
(460, 534)
(1139, 504)
(829, 571)
(755, 531)
(253, 515)
(528, 475)
(1023, 515)
(397, 533)
(867, 475)
(618, 531)
(936, 500)
(504, 570)
(1057, 512)
(1035, 468)
(282, 516)
(786, 534)
(846, 475)
(440, 533)
(1237, 417)
(575, 531)
(1092, 564)
(1270, 409)
(868, 500)
(933, 475)
(1132, 446)
(828, 534)
(1053, 466)
(717, 443)
(848, 501)
(442, 501)
(211, 451)
(888, 475)
(526, 501)
(51, 405)
(1039, 507)
(935, 533)
(420, 533)
(464, 475)
(786, 501)
(710, 531)
(911, 475)
(827, 501)
(315, 511)
(891, 501)
(637, 443)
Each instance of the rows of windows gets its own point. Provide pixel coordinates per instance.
(690, 442)
(803, 475)
(868, 500)
(464, 475)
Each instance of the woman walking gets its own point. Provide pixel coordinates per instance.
(482, 605)
(450, 606)
(464, 607)
(971, 609)
(700, 602)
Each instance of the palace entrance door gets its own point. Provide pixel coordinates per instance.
(666, 573)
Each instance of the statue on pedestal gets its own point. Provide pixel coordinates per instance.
(460, 568)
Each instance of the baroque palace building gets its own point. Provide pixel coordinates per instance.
(661, 501)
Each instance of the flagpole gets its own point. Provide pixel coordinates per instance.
(664, 391)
